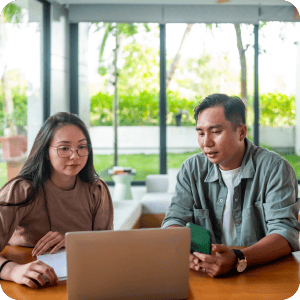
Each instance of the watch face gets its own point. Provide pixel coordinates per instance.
(242, 265)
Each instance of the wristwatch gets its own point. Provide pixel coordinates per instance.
(241, 261)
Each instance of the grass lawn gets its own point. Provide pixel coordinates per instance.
(142, 163)
(294, 160)
(3, 174)
(149, 164)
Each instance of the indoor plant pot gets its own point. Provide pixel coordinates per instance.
(13, 146)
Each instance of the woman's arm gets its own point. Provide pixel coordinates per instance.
(30, 274)
(103, 215)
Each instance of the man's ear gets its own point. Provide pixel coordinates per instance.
(243, 131)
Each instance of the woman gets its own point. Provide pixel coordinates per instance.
(56, 191)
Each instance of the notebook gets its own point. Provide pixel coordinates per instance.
(57, 261)
(132, 264)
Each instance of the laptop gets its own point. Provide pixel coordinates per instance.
(133, 264)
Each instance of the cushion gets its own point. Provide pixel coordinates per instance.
(172, 175)
(156, 203)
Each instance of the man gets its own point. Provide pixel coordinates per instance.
(243, 194)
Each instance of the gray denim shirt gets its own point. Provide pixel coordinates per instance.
(269, 203)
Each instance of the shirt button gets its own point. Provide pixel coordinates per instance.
(219, 222)
(239, 221)
(236, 200)
(221, 200)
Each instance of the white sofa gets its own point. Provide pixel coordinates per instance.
(160, 189)
(126, 214)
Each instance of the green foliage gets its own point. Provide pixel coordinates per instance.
(20, 110)
(276, 110)
(206, 75)
(12, 13)
(122, 29)
(143, 109)
(140, 71)
(20, 107)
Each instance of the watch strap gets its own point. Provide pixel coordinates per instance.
(239, 254)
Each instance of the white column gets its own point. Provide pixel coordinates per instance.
(59, 59)
(35, 88)
(83, 74)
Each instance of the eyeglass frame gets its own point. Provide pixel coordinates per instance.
(89, 147)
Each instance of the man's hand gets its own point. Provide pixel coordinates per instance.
(47, 241)
(30, 274)
(194, 262)
(220, 262)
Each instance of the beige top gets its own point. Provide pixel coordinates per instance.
(85, 208)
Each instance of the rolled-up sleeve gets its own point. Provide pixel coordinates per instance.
(282, 204)
(103, 215)
(180, 210)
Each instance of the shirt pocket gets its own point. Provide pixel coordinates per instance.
(201, 218)
(253, 228)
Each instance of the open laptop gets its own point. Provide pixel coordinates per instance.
(133, 264)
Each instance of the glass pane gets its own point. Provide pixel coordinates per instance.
(220, 59)
(202, 59)
(278, 57)
(137, 61)
(20, 73)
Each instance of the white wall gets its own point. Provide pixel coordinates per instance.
(60, 76)
(145, 139)
(281, 137)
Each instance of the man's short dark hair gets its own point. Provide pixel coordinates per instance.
(234, 108)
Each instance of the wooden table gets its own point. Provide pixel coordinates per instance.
(279, 280)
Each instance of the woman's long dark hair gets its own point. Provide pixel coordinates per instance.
(37, 168)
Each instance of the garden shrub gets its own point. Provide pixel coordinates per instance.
(276, 110)
(141, 110)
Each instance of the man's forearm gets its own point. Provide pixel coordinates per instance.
(269, 248)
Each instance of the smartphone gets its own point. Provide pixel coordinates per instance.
(200, 239)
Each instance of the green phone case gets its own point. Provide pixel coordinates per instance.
(200, 239)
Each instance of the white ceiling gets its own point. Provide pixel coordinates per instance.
(177, 11)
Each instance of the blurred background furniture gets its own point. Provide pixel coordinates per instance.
(160, 189)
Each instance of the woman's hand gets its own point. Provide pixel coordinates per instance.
(47, 241)
(33, 274)
(220, 262)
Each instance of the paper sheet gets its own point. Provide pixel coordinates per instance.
(297, 255)
(58, 261)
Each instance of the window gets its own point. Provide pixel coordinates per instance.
(21, 88)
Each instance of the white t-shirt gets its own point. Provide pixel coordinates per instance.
(231, 179)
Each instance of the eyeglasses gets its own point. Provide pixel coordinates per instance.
(67, 151)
